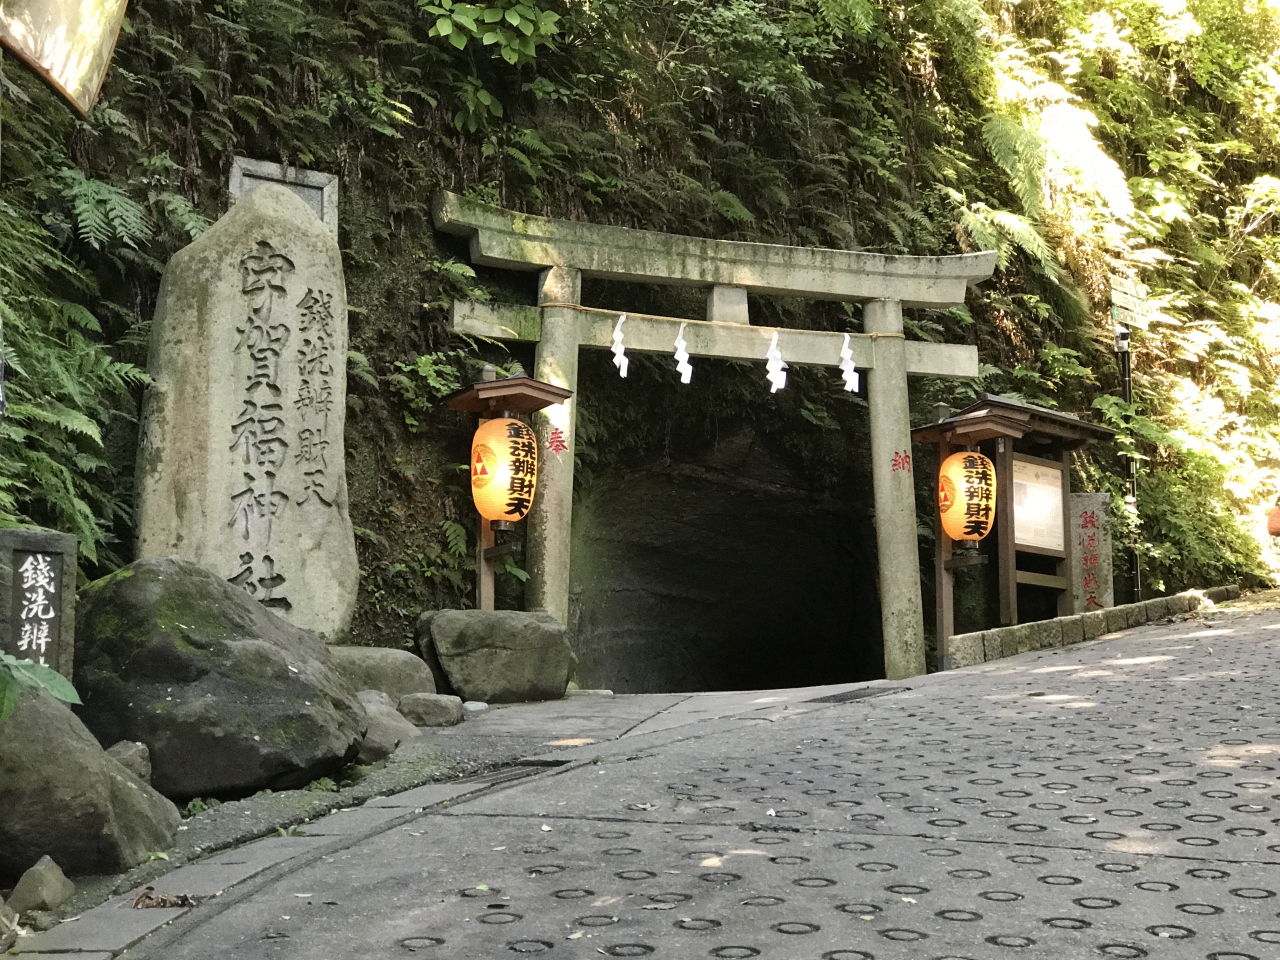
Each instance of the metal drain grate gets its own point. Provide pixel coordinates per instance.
(862, 693)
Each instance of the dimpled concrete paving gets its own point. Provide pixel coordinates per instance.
(1113, 799)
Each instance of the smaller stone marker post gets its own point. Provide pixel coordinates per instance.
(1090, 525)
(38, 587)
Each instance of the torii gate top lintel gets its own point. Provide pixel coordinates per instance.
(565, 251)
(504, 238)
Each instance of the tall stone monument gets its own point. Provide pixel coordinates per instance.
(241, 464)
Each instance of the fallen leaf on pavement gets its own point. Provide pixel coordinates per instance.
(148, 899)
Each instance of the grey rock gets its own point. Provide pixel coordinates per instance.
(387, 728)
(431, 709)
(1117, 618)
(1049, 633)
(1020, 638)
(992, 645)
(42, 887)
(134, 757)
(239, 468)
(427, 647)
(1159, 608)
(1180, 603)
(1224, 594)
(1072, 629)
(503, 656)
(397, 673)
(228, 697)
(61, 795)
(966, 649)
(1137, 614)
(1094, 623)
(474, 706)
(8, 926)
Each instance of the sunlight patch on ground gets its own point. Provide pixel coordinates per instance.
(1236, 756)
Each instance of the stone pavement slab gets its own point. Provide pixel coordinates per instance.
(109, 928)
(594, 717)
(346, 822)
(269, 851)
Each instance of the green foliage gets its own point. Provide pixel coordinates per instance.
(323, 785)
(1076, 139)
(516, 29)
(17, 675)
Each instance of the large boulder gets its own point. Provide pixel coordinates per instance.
(397, 673)
(62, 796)
(228, 697)
(503, 656)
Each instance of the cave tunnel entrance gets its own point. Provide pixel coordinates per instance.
(714, 568)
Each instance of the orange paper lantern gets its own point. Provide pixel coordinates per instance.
(504, 469)
(967, 496)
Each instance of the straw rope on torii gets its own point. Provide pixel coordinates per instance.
(565, 251)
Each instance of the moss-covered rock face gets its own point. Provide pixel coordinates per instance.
(228, 697)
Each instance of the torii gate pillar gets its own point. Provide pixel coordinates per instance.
(551, 516)
(901, 608)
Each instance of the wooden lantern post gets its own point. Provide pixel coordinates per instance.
(1031, 447)
(520, 395)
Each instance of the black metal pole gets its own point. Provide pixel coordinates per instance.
(1131, 463)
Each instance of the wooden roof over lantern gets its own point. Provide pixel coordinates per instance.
(992, 416)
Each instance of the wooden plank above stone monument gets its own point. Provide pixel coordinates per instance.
(241, 464)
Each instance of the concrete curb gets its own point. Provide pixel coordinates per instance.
(971, 649)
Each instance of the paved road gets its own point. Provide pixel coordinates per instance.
(1113, 799)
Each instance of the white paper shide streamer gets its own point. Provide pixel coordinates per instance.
(683, 366)
(847, 369)
(619, 351)
(777, 369)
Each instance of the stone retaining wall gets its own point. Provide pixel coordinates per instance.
(968, 649)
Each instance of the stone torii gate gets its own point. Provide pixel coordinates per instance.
(564, 251)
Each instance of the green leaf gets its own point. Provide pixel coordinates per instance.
(39, 677)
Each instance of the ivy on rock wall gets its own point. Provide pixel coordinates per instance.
(1078, 139)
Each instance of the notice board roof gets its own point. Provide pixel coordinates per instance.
(520, 394)
(992, 416)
